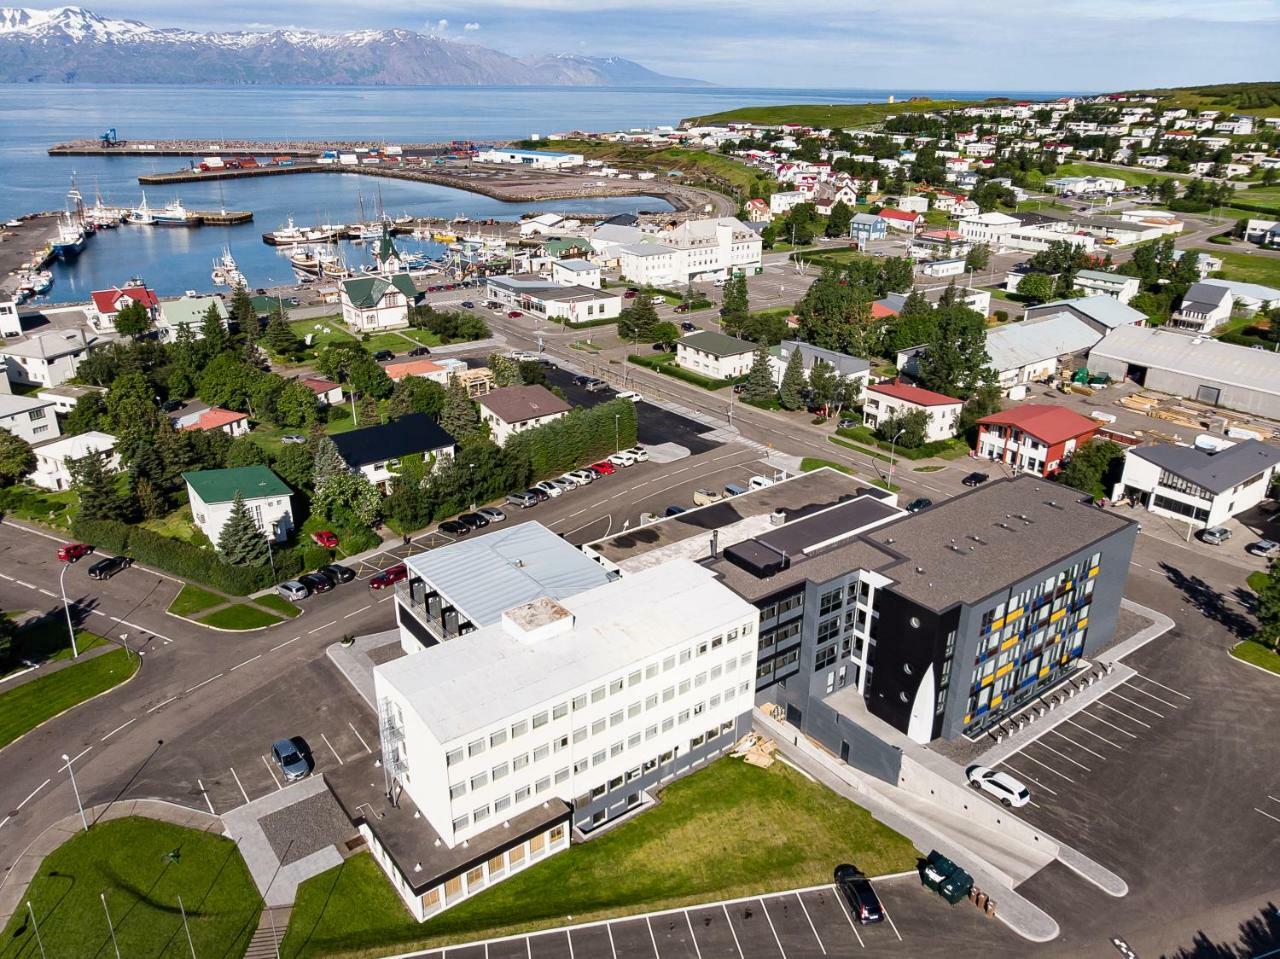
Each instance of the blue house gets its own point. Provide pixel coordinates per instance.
(866, 227)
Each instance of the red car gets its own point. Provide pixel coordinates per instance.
(389, 577)
(70, 552)
(514, 314)
(326, 539)
(603, 468)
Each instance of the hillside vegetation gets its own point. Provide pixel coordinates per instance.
(1258, 99)
(698, 167)
(842, 115)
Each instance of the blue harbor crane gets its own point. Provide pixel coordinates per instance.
(109, 139)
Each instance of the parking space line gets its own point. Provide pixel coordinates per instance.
(1267, 814)
(852, 924)
(332, 750)
(1125, 715)
(1138, 689)
(1078, 745)
(1116, 694)
(568, 939)
(1023, 775)
(77, 756)
(361, 738)
(205, 793)
(272, 772)
(608, 927)
(1050, 768)
(238, 783)
(733, 931)
(769, 919)
(1163, 686)
(692, 937)
(245, 663)
(1104, 722)
(652, 938)
(805, 910)
(1041, 743)
(1093, 734)
(33, 792)
(891, 922)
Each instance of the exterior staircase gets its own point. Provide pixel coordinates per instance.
(266, 940)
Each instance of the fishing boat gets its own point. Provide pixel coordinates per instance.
(141, 214)
(35, 282)
(173, 214)
(70, 239)
(288, 234)
(224, 267)
(334, 267)
(305, 260)
(104, 217)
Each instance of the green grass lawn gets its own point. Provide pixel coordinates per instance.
(278, 604)
(422, 337)
(142, 867)
(1249, 267)
(1258, 655)
(1260, 196)
(1257, 580)
(843, 115)
(39, 506)
(1133, 176)
(390, 340)
(45, 640)
(324, 331)
(240, 616)
(811, 463)
(268, 437)
(192, 599)
(729, 830)
(25, 707)
(176, 525)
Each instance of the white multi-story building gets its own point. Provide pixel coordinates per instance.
(694, 250)
(568, 706)
(31, 417)
(1201, 486)
(47, 359)
(989, 228)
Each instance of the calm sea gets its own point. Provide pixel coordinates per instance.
(32, 117)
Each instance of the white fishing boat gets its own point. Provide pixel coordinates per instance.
(35, 282)
(224, 267)
(236, 279)
(289, 234)
(173, 214)
(141, 214)
(70, 239)
(305, 260)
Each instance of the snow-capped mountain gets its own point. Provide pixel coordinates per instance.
(75, 45)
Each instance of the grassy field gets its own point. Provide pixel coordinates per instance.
(25, 707)
(268, 437)
(1250, 267)
(1134, 176)
(239, 617)
(811, 463)
(729, 174)
(39, 506)
(824, 115)
(278, 604)
(1257, 580)
(1256, 99)
(729, 830)
(192, 599)
(324, 331)
(142, 867)
(1264, 195)
(1258, 655)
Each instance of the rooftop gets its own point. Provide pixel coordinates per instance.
(1044, 421)
(516, 404)
(412, 368)
(1018, 344)
(78, 446)
(49, 345)
(717, 344)
(190, 310)
(914, 394)
(366, 292)
(1216, 472)
(213, 418)
(578, 266)
(1193, 356)
(14, 405)
(221, 486)
(415, 433)
(1101, 308)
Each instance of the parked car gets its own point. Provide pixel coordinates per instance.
(1215, 536)
(687, 327)
(383, 355)
(847, 424)
(595, 386)
(583, 477)
(564, 483)
(291, 439)
(548, 487)
(919, 503)
(603, 468)
(1264, 547)
(293, 590)
(674, 510)
(290, 759)
(540, 495)
(454, 527)
(759, 482)
(106, 568)
(975, 479)
(474, 520)
(513, 314)
(70, 552)
(631, 395)
(338, 573)
(326, 539)
(524, 356)
(581, 380)
(172, 406)
(639, 452)
(522, 499)
(630, 294)
(420, 351)
(705, 497)
(317, 582)
(682, 308)
(864, 904)
(733, 489)
(389, 576)
(999, 784)
(492, 514)
(622, 458)
(467, 305)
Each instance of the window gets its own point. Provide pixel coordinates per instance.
(700, 679)
(715, 672)
(541, 753)
(651, 702)
(498, 738)
(522, 794)
(634, 710)
(667, 724)
(686, 655)
(651, 732)
(475, 748)
(684, 716)
(634, 678)
(479, 779)
(597, 694)
(702, 649)
(598, 757)
(668, 694)
(453, 757)
(500, 770)
(581, 765)
(580, 701)
(539, 719)
(560, 712)
(684, 686)
(460, 823)
(598, 727)
(481, 813)
(561, 742)
(615, 687)
(519, 762)
(562, 774)
(615, 750)
(633, 740)
(457, 790)
(651, 670)
(616, 718)
(580, 734)
(519, 729)
(669, 663)
(828, 629)
(830, 601)
(500, 804)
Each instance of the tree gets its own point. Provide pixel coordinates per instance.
(96, 483)
(846, 393)
(1269, 608)
(327, 462)
(348, 499)
(1091, 466)
(295, 465)
(759, 387)
(736, 307)
(506, 371)
(415, 394)
(1036, 287)
(956, 359)
(665, 335)
(791, 392)
(87, 415)
(279, 337)
(366, 376)
(984, 401)
(133, 320)
(241, 543)
(823, 384)
(839, 220)
(911, 429)
(245, 451)
(295, 405)
(213, 332)
(242, 313)
(186, 360)
(637, 322)
(978, 258)
(227, 381)
(459, 417)
(16, 458)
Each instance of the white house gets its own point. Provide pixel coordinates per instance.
(213, 493)
(46, 359)
(694, 250)
(576, 272)
(651, 264)
(10, 323)
(375, 451)
(105, 304)
(427, 369)
(1204, 487)
(1248, 297)
(842, 364)
(372, 303)
(988, 228)
(201, 417)
(1203, 308)
(514, 409)
(593, 696)
(30, 417)
(715, 355)
(784, 200)
(188, 311)
(884, 401)
(327, 392)
(572, 304)
(53, 460)
(1115, 285)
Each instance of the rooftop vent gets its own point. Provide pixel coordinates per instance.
(777, 518)
(919, 570)
(954, 548)
(978, 539)
(1005, 526)
(1053, 504)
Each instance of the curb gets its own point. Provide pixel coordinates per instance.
(1244, 662)
(223, 629)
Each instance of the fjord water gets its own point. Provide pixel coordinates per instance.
(35, 116)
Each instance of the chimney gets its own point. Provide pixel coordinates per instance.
(715, 543)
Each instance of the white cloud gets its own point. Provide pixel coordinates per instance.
(441, 25)
(471, 26)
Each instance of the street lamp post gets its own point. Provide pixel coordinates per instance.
(111, 929)
(617, 442)
(271, 552)
(76, 789)
(66, 608)
(892, 445)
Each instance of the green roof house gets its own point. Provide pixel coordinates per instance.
(213, 492)
(187, 311)
(373, 303)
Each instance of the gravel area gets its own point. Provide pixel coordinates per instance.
(385, 654)
(306, 827)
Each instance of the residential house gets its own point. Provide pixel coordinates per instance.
(952, 266)
(200, 417)
(1035, 438)
(1114, 285)
(30, 417)
(845, 366)
(576, 272)
(828, 196)
(912, 204)
(327, 392)
(1205, 487)
(10, 322)
(105, 304)
(758, 211)
(64, 397)
(901, 220)
(885, 401)
(1248, 297)
(715, 355)
(212, 494)
(427, 369)
(514, 409)
(782, 201)
(1203, 308)
(866, 227)
(188, 311)
(541, 297)
(46, 359)
(375, 451)
(373, 303)
(1100, 312)
(55, 459)
(988, 228)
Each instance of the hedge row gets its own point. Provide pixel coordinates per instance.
(669, 368)
(191, 562)
(864, 435)
(586, 324)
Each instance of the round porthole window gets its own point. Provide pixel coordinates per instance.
(915, 622)
(906, 668)
(903, 697)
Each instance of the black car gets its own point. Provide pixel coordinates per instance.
(473, 520)
(106, 568)
(919, 503)
(383, 355)
(454, 528)
(338, 573)
(172, 406)
(863, 902)
(581, 380)
(687, 327)
(674, 510)
(537, 494)
(317, 582)
(419, 351)
(467, 305)
(975, 479)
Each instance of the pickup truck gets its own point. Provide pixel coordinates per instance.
(705, 497)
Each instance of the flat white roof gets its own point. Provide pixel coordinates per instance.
(76, 447)
(479, 680)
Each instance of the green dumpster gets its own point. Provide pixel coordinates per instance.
(945, 878)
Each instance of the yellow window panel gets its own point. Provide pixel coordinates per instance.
(1003, 670)
(1044, 672)
(1093, 572)
(967, 719)
(1014, 615)
(987, 680)
(996, 701)
(1011, 641)
(1083, 623)
(996, 624)
(1057, 616)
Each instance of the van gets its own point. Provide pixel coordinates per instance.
(733, 489)
(522, 499)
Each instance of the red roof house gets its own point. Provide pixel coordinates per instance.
(901, 219)
(887, 401)
(214, 418)
(1035, 438)
(105, 304)
(881, 312)
(327, 392)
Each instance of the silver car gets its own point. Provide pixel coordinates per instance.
(293, 591)
(492, 514)
(289, 758)
(1215, 536)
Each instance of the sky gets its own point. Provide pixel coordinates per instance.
(1055, 45)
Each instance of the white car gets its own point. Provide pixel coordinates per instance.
(551, 489)
(631, 395)
(1000, 785)
(581, 477)
(524, 356)
(759, 482)
(622, 458)
(639, 452)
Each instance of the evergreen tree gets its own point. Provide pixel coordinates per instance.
(823, 384)
(791, 393)
(241, 543)
(328, 462)
(295, 465)
(736, 308)
(640, 320)
(87, 415)
(278, 337)
(96, 484)
(839, 220)
(459, 417)
(213, 333)
(242, 313)
(759, 387)
(186, 358)
(978, 258)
